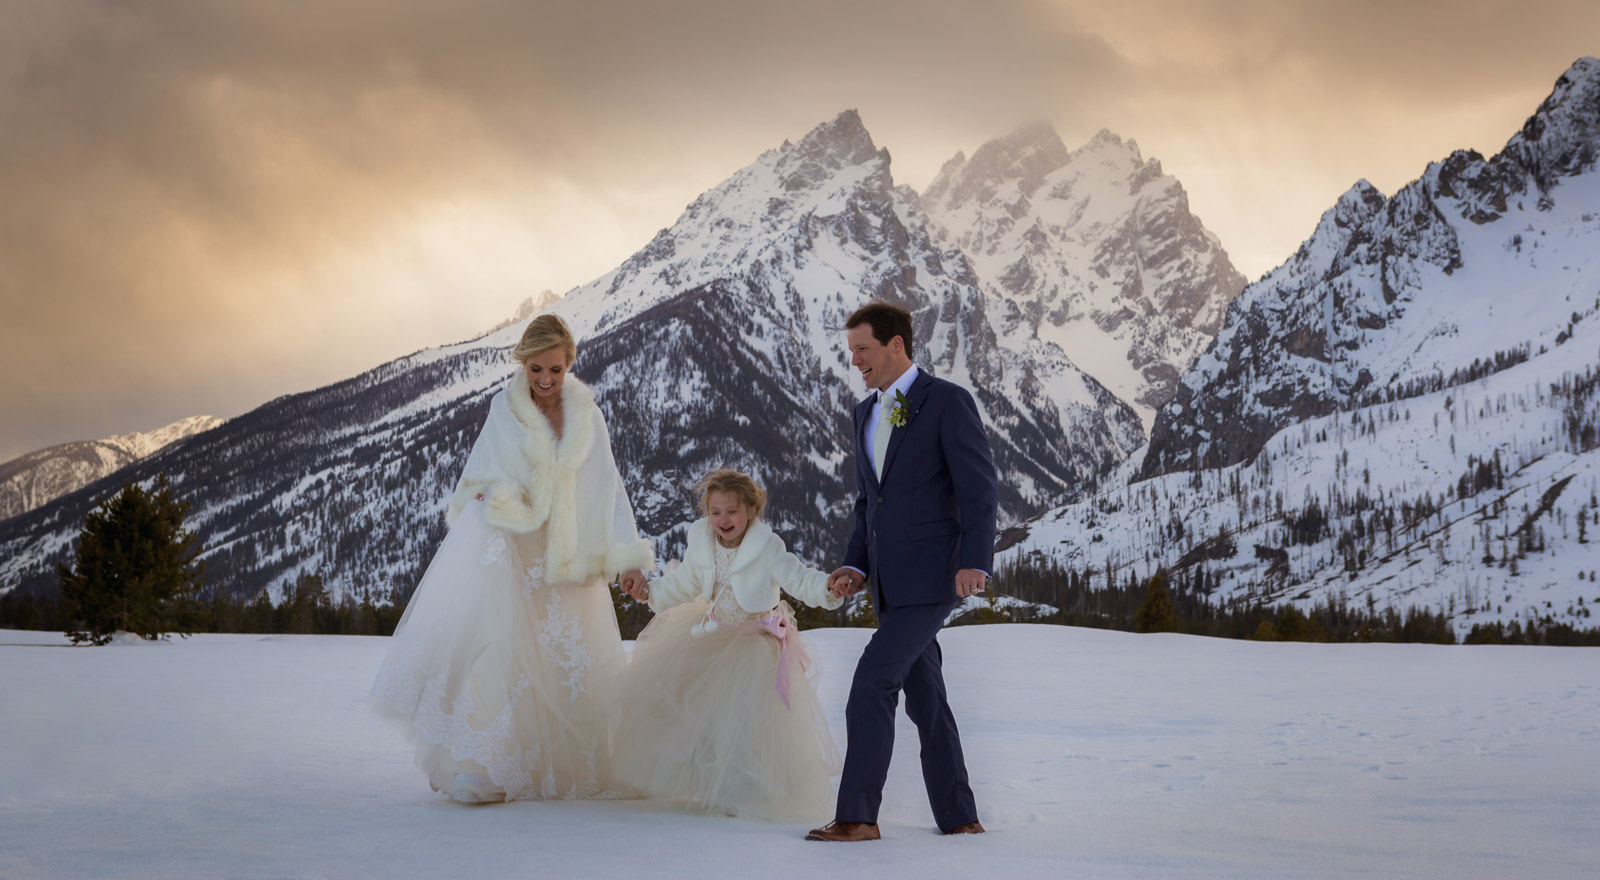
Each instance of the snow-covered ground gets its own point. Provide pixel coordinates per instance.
(1093, 754)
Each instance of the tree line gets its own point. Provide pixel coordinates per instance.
(136, 570)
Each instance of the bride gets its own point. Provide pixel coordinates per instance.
(501, 670)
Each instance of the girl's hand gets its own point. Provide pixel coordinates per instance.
(634, 584)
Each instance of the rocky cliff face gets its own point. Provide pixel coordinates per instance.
(1094, 250)
(1476, 265)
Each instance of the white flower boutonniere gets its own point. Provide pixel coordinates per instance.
(897, 415)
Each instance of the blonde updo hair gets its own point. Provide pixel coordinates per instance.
(739, 485)
(544, 333)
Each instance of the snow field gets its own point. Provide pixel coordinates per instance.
(1092, 754)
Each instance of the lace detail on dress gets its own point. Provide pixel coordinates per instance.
(453, 729)
(724, 604)
(561, 639)
(533, 579)
(494, 551)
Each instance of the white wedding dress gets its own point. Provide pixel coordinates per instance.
(502, 679)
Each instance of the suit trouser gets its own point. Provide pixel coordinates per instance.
(903, 655)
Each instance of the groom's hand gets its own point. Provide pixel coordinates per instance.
(845, 582)
(970, 582)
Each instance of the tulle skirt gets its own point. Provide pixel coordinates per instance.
(702, 722)
(500, 678)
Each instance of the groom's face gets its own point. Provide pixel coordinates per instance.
(879, 364)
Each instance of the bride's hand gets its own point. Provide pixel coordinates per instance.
(634, 584)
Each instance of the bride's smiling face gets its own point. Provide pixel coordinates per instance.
(729, 516)
(546, 370)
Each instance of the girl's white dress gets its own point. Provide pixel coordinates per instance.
(719, 707)
(503, 670)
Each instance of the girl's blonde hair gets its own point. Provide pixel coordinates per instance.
(737, 484)
(544, 333)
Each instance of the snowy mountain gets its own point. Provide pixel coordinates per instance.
(35, 479)
(1475, 265)
(719, 343)
(1479, 501)
(745, 299)
(1406, 413)
(1094, 250)
(529, 307)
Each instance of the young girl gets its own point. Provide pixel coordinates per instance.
(718, 710)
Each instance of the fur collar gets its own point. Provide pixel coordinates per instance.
(577, 428)
(702, 543)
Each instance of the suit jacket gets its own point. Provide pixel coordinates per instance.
(933, 513)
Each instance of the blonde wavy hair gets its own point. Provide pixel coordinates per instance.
(544, 333)
(739, 485)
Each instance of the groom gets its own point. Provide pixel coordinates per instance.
(924, 539)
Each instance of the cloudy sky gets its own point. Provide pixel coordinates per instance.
(204, 205)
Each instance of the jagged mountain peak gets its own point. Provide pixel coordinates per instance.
(35, 479)
(795, 167)
(1354, 208)
(1391, 295)
(729, 225)
(1023, 158)
(839, 143)
(1093, 249)
(1358, 204)
(1562, 137)
(1105, 139)
(1576, 94)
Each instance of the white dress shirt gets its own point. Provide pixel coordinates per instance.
(886, 399)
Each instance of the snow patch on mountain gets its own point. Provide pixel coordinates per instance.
(1475, 262)
(1093, 250)
(37, 478)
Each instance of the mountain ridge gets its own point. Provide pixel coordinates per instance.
(719, 343)
(1369, 304)
(36, 478)
(1094, 250)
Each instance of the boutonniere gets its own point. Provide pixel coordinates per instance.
(897, 415)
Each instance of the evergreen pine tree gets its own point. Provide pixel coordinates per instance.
(259, 613)
(135, 569)
(1156, 613)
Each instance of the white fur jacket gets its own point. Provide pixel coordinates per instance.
(762, 565)
(571, 488)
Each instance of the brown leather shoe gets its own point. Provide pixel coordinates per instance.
(969, 828)
(845, 831)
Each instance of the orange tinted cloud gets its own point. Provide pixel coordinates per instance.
(210, 204)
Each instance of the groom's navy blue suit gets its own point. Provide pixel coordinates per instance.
(932, 514)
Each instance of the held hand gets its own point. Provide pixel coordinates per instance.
(969, 582)
(845, 582)
(634, 584)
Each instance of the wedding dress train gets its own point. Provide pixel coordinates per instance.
(500, 678)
